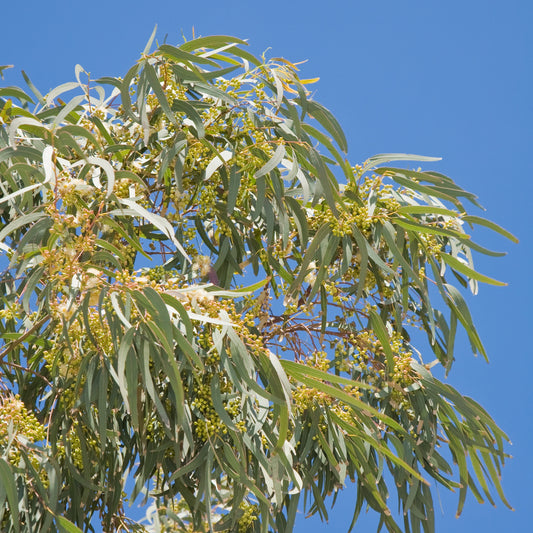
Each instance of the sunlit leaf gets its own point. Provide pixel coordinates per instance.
(471, 273)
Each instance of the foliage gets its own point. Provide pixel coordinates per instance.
(201, 307)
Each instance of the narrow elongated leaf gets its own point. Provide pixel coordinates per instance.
(487, 223)
(217, 162)
(181, 55)
(19, 122)
(428, 229)
(328, 122)
(79, 131)
(20, 192)
(67, 108)
(387, 158)
(381, 333)
(298, 370)
(273, 162)
(66, 526)
(158, 221)
(184, 107)
(15, 92)
(63, 88)
(471, 273)
(210, 41)
(234, 185)
(163, 318)
(20, 222)
(109, 171)
(319, 237)
(158, 91)
(8, 482)
(426, 210)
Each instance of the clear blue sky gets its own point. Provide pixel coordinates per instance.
(452, 79)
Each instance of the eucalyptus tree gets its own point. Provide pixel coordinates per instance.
(205, 304)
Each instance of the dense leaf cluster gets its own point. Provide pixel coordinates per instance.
(203, 301)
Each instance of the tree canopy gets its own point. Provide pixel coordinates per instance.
(206, 304)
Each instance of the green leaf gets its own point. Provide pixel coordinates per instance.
(66, 526)
(328, 122)
(158, 91)
(125, 91)
(109, 171)
(60, 89)
(19, 222)
(299, 219)
(467, 271)
(426, 210)
(443, 194)
(323, 232)
(127, 366)
(219, 160)
(381, 333)
(26, 123)
(163, 318)
(244, 54)
(210, 41)
(2, 68)
(20, 192)
(14, 92)
(7, 478)
(158, 221)
(273, 162)
(115, 302)
(487, 223)
(428, 229)
(182, 56)
(326, 141)
(241, 291)
(79, 131)
(234, 185)
(379, 159)
(150, 41)
(326, 179)
(68, 108)
(184, 107)
(298, 370)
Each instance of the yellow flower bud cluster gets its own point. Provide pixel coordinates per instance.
(432, 244)
(73, 441)
(13, 312)
(318, 359)
(370, 361)
(64, 356)
(403, 373)
(334, 290)
(61, 257)
(368, 349)
(358, 214)
(305, 398)
(249, 516)
(124, 188)
(15, 422)
(198, 157)
(155, 431)
(208, 423)
(158, 274)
